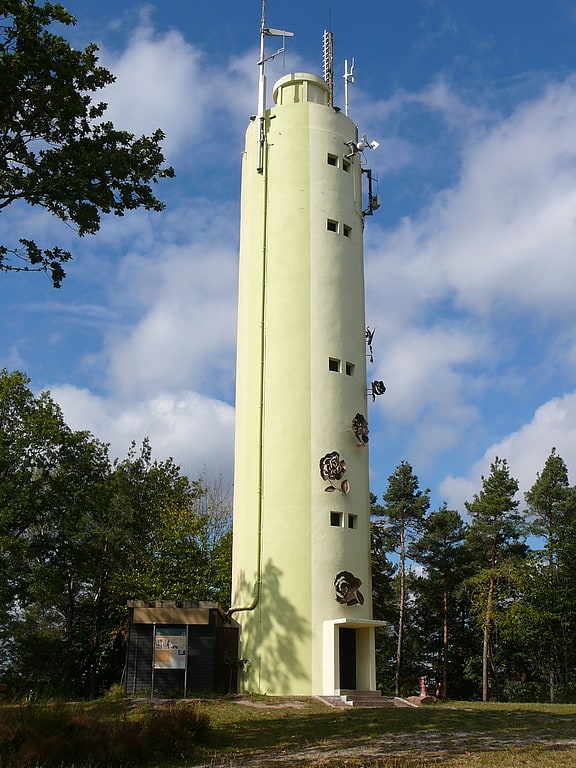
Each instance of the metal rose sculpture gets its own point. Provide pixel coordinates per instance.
(333, 468)
(360, 429)
(347, 588)
(378, 388)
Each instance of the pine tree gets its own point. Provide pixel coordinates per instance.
(547, 502)
(493, 537)
(404, 508)
(441, 551)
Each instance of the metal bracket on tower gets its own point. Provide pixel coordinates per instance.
(373, 199)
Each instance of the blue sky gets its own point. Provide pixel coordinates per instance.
(469, 262)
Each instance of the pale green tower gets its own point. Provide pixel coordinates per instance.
(301, 557)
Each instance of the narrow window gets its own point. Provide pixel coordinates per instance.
(349, 369)
(333, 364)
(346, 230)
(331, 225)
(336, 519)
(332, 160)
(352, 521)
(345, 164)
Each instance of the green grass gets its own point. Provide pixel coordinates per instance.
(455, 735)
(290, 733)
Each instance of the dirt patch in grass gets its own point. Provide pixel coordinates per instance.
(272, 704)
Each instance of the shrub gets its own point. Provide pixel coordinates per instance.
(50, 735)
(177, 728)
(116, 691)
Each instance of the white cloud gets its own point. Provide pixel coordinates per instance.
(457, 113)
(505, 234)
(552, 426)
(424, 365)
(155, 84)
(196, 430)
(180, 297)
(12, 359)
(459, 290)
(164, 81)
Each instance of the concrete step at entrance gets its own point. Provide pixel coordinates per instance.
(365, 699)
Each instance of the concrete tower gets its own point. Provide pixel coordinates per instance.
(301, 557)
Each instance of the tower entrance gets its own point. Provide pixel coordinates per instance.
(348, 659)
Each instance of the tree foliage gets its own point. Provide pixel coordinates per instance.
(553, 520)
(441, 550)
(483, 615)
(486, 615)
(403, 510)
(79, 536)
(56, 149)
(384, 597)
(493, 536)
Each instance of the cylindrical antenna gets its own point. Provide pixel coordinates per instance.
(348, 78)
(328, 51)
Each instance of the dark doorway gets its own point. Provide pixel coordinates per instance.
(348, 659)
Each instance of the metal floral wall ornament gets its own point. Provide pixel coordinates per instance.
(378, 388)
(333, 468)
(360, 429)
(369, 336)
(347, 588)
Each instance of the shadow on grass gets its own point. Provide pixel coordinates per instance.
(245, 731)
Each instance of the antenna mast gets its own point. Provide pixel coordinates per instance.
(262, 77)
(265, 32)
(328, 50)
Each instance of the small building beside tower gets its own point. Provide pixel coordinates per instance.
(179, 647)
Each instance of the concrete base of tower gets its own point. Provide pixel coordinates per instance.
(349, 655)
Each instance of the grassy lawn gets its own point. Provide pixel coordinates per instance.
(455, 735)
(286, 732)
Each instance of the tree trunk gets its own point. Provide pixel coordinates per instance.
(486, 639)
(445, 639)
(401, 610)
(93, 679)
(551, 632)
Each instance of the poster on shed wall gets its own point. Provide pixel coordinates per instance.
(170, 649)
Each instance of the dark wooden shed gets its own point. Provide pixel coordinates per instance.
(179, 648)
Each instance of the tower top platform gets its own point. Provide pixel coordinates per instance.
(301, 87)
